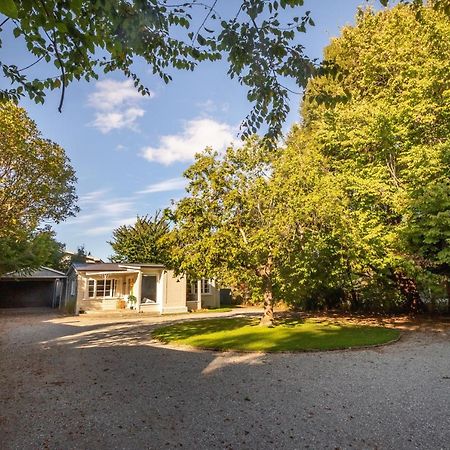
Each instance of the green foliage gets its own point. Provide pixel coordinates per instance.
(68, 259)
(212, 310)
(37, 185)
(29, 251)
(245, 334)
(356, 205)
(228, 226)
(141, 242)
(378, 117)
(36, 178)
(84, 38)
(428, 229)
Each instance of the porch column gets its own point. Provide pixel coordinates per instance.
(199, 294)
(138, 291)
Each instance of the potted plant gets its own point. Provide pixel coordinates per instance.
(132, 301)
(121, 304)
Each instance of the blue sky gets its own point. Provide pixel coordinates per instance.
(130, 152)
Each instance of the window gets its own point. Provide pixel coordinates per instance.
(72, 287)
(91, 288)
(204, 289)
(149, 289)
(102, 288)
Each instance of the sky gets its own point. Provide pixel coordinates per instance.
(129, 151)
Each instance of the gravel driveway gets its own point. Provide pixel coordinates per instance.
(99, 382)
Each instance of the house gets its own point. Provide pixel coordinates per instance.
(41, 287)
(100, 286)
(209, 291)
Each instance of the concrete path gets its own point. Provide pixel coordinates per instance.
(99, 382)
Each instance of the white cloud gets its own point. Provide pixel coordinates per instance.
(172, 184)
(210, 106)
(117, 105)
(103, 229)
(98, 208)
(197, 134)
(92, 197)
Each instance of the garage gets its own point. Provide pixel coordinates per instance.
(40, 288)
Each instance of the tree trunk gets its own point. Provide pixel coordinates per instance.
(447, 287)
(265, 272)
(354, 295)
(408, 288)
(267, 318)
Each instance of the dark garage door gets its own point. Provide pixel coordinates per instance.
(17, 294)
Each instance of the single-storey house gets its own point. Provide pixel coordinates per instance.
(41, 287)
(105, 286)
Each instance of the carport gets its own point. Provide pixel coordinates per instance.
(42, 287)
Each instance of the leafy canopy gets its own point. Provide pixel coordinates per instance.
(30, 251)
(36, 178)
(381, 124)
(83, 38)
(141, 242)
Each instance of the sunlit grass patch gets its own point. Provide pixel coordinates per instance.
(291, 335)
(213, 310)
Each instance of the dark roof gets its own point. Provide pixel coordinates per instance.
(159, 266)
(97, 267)
(44, 273)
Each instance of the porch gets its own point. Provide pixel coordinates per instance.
(127, 289)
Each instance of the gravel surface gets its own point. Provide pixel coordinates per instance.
(100, 382)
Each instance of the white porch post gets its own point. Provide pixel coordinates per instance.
(199, 294)
(162, 289)
(138, 291)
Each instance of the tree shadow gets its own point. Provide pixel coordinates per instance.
(71, 382)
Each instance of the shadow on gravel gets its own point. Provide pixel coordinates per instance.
(76, 383)
(105, 385)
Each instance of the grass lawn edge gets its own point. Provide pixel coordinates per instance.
(184, 346)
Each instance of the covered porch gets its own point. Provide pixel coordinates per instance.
(134, 289)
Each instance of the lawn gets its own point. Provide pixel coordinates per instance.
(291, 335)
(213, 310)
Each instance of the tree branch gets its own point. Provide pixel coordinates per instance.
(32, 64)
(58, 57)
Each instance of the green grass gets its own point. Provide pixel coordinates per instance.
(210, 310)
(245, 334)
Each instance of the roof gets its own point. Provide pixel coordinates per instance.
(44, 273)
(137, 265)
(97, 267)
(114, 267)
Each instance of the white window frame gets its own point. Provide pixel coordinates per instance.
(111, 293)
(205, 287)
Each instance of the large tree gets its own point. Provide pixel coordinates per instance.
(229, 227)
(36, 179)
(141, 242)
(37, 187)
(379, 114)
